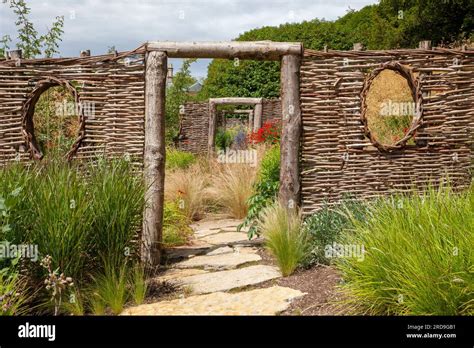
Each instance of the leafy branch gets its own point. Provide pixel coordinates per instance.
(29, 41)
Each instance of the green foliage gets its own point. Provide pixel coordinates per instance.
(12, 292)
(176, 96)
(5, 45)
(179, 159)
(419, 256)
(245, 79)
(138, 285)
(111, 287)
(52, 37)
(326, 226)
(176, 230)
(75, 304)
(224, 139)
(83, 222)
(266, 189)
(284, 237)
(29, 40)
(389, 24)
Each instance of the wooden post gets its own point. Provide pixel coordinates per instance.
(358, 46)
(85, 53)
(15, 54)
(425, 45)
(251, 120)
(154, 156)
(212, 128)
(289, 195)
(257, 116)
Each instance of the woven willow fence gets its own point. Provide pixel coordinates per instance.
(271, 110)
(338, 159)
(194, 127)
(109, 96)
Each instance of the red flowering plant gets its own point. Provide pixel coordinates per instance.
(269, 133)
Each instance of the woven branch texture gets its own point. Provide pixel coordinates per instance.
(339, 160)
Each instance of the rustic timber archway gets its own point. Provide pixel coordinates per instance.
(214, 102)
(289, 54)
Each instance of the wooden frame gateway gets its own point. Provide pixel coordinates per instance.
(157, 53)
(213, 102)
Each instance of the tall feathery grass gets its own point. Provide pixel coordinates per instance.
(186, 187)
(419, 257)
(284, 237)
(232, 186)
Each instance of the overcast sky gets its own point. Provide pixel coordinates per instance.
(125, 24)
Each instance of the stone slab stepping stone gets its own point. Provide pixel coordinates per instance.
(174, 275)
(225, 238)
(220, 251)
(228, 280)
(219, 262)
(196, 248)
(269, 301)
(205, 233)
(215, 224)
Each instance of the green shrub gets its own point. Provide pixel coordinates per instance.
(325, 227)
(284, 237)
(418, 256)
(179, 159)
(224, 139)
(266, 189)
(176, 230)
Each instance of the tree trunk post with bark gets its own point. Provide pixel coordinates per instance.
(154, 156)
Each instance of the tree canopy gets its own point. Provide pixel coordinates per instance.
(386, 25)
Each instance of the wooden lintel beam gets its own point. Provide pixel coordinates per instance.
(255, 50)
(236, 101)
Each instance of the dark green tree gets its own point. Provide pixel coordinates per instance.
(387, 25)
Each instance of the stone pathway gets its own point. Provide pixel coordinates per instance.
(217, 270)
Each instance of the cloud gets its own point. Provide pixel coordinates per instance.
(99, 24)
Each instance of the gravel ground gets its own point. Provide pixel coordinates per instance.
(318, 282)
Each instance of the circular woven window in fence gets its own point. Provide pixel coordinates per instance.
(64, 114)
(391, 107)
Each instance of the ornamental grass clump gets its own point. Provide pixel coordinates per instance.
(177, 159)
(419, 257)
(85, 217)
(284, 237)
(231, 188)
(185, 187)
